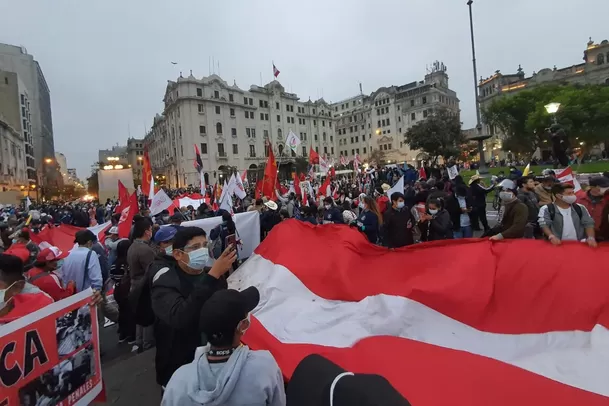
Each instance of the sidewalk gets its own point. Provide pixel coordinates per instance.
(132, 381)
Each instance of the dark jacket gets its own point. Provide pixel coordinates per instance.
(397, 227)
(177, 299)
(440, 227)
(139, 257)
(333, 215)
(454, 210)
(532, 203)
(514, 220)
(368, 223)
(478, 194)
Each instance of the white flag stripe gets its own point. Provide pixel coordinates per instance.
(294, 315)
(160, 202)
(292, 141)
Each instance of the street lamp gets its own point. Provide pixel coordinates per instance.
(482, 169)
(552, 109)
(48, 160)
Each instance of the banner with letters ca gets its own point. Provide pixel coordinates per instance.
(51, 356)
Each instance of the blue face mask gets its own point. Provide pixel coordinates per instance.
(400, 205)
(197, 259)
(169, 250)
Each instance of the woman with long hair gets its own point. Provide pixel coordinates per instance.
(369, 220)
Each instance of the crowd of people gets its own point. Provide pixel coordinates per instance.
(169, 278)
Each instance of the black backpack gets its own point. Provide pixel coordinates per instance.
(552, 210)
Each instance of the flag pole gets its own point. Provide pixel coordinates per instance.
(179, 211)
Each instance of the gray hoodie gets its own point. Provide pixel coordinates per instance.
(247, 378)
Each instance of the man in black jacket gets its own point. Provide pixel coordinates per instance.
(397, 223)
(180, 287)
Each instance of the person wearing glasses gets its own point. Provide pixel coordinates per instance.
(179, 288)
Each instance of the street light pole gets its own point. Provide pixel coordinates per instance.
(483, 170)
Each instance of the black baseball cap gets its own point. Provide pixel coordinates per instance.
(222, 312)
(312, 379)
(599, 181)
(84, 236)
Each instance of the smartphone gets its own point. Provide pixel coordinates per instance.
(231, 239)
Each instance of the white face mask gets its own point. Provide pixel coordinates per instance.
(433, 211)
(328, 206)
(362, 205)
(569, 199)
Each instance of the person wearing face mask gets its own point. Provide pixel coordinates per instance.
(398, 223)
(513, 213)
(332, 213)
(18, 298)
(566, 220)
(44, 277)
(544, 188)
(369, 219)
(595, 199)
(179, 288)
(439, 224)
(139, 257)
(228, 372)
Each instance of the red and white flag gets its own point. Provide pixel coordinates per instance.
(356, 162)
(566, 176)
(160, 202)
(483, 323)
(276, 71)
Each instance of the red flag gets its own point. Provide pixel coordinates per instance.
(258, 191)
(270, 175)
(332, 172)
(282, 189)
(123, 197)
(323, 190)
(442, 315)
(146, 174)
(275, 71)
(313, 156)
(297, 185)
(422, 174)
(127, 213)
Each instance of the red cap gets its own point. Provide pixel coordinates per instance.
(51, 254)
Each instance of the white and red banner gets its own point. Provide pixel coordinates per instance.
(458, 322)
(63, 236)
(51, 356)
(566, 176)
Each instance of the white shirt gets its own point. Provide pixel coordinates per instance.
(568, 229)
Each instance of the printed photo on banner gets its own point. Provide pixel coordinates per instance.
(51, 356)
(65, 383)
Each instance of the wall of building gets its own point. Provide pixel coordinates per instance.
(13, 173)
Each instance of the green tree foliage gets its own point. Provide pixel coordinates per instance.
(438, 135)
(522, 117)
(377, 156)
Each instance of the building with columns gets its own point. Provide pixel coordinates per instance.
(593, 70)
(231, 126)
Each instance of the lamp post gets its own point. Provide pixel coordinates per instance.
(480, 137)
(552, 109)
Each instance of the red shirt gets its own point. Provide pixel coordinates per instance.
(595, 209)
(24, 303)
(382, 202)
(49, 284)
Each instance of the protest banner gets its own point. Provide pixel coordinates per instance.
(51, 356)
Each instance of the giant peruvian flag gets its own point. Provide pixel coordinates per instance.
(457, 322)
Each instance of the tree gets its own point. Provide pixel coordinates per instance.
(522, 117)
(377, 156)
(438, 135)
(93, 184)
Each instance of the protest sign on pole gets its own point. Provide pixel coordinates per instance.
(453, 171)
(55, 348)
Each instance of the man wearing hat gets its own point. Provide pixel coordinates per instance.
(229, 373)
(44, 277)
(82, 264)
(269, 218)
(111, 244)
(594, 199)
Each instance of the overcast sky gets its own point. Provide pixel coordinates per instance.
(107, 62)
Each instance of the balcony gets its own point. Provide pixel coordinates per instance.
(221, 156)
(253, 157)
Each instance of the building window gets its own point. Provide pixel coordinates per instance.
(233, 131)
(202, 129)
(332, 150)
(217, 109)
(266, 134)
(388, 123)
(279, 133)
(219, 128)
(304, 151)
(277, 105)
(323, 123)
(424, 100)
(232, 112)
(600, 59)
(247, 114)
(200, 108)
(331, 138)
(261, 116)
(315, 137)
(315, 122)
(278, 118)
(204, 148)
(221, 151)
(260, 103)
(245, 100)
(266, 117)
(379, 123)
(424, 113)
(235, 149)
(230, 97)
(413, 116)
(253, 151)
(251, 101)
(216, 94)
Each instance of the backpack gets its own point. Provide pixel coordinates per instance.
(552, 210)
(215, 247)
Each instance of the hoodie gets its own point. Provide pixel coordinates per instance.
(246, 378)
